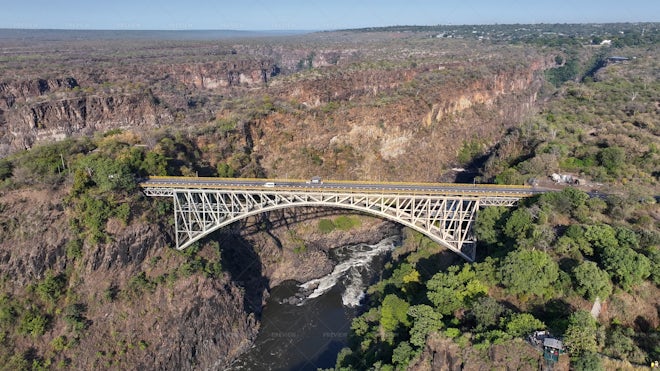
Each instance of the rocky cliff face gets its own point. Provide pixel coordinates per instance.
(443, 354)
(225, 74)
(142, 98)
(51, 120)
(405, 123)
(138, 308)
(193, 322)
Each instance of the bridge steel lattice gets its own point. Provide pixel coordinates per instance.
(446, 219)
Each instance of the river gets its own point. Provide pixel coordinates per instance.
(304, 326)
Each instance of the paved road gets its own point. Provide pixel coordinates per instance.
(339, 186)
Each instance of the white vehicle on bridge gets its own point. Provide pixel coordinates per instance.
(315, 180)
(269, 184)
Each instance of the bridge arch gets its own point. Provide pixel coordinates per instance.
(445, 219)
(465, 252)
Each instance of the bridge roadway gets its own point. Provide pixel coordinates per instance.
(458, 189)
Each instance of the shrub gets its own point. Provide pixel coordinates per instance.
(33, 323)
(60, 343)
(589, 361)
(346, 223)
(6, 168)
(326, 226)
(51, 288)
(123, 212)
(74, 249)
(139, 284)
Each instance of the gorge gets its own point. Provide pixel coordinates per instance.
(88, 274)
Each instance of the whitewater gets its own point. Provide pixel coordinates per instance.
(354, 262)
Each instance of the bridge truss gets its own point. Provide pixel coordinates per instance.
(446, 219)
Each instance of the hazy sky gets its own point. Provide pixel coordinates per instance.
(312, 14)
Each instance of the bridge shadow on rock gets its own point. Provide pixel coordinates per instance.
(288, 217)
(243, 264)
(438, 262)
(554, 313)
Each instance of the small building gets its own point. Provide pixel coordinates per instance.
(552, 348)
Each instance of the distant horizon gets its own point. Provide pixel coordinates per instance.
(313, 30)
(260, 15)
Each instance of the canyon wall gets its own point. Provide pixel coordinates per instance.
(141, 97)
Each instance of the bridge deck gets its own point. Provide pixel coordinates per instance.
(294, 185)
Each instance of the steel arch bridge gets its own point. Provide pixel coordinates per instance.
(445, 218)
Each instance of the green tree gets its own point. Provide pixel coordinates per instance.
(620, 343)
(566, 201)
(7, 310)
(518, 224)
(580, 336)
(51, 288)
(74, 315)
(626, 267)
(528, 272)
(394, 311)
(591, 281)
(458, 288)
(487, 312)
(601, 236)
(154, 164)
(654, 259)
(574, 239)
(18, 362)
(487, 227)
(523, 324)
(402, 355)
(425, 320)
(510, 176)
(569, 71)
(225, 170)
(627, 237)
(33, 322)
(612, 159)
